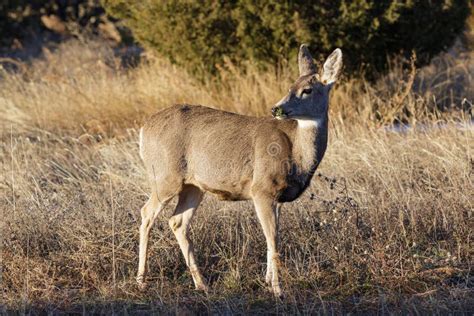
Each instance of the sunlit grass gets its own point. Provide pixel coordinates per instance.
(386, 226)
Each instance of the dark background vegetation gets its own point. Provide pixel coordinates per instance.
(201, 35)
(21, 18)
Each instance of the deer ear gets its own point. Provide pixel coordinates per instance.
(305, 61)
(332, 67)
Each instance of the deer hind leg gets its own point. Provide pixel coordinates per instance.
(149, 212)
(189, 199)
(266, 213)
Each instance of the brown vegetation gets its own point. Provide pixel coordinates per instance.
(386, 226)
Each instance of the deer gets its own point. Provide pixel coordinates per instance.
(188, 150)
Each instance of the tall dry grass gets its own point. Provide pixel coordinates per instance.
(385, 227)
(78, 83)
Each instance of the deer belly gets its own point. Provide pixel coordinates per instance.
(227, 185)
(226, 191)
(228, 179)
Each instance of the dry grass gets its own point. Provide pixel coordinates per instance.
(386, 227)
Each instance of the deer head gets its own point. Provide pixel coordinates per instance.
(308, 97)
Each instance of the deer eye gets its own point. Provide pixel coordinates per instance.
(307, 91)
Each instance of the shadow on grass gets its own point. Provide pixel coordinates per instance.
(438, 301)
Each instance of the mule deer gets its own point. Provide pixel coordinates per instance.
(188, 150)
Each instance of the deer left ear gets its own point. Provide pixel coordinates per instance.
(305, 61)
(332, 67)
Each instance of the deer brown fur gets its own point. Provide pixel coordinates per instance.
(188, 150)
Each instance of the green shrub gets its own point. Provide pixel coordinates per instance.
(199, 34)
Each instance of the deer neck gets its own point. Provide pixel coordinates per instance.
(310, 143)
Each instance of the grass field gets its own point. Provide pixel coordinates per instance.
(386, 226)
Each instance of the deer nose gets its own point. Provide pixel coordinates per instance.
(276, 110)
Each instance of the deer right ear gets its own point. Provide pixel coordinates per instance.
(332, 67)
(305, 61)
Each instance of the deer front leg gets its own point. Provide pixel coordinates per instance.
(266, 213)
(268, 274)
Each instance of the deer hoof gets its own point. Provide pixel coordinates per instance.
(276, 290)
(141, 284)
(202, 287)
(268, 279)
